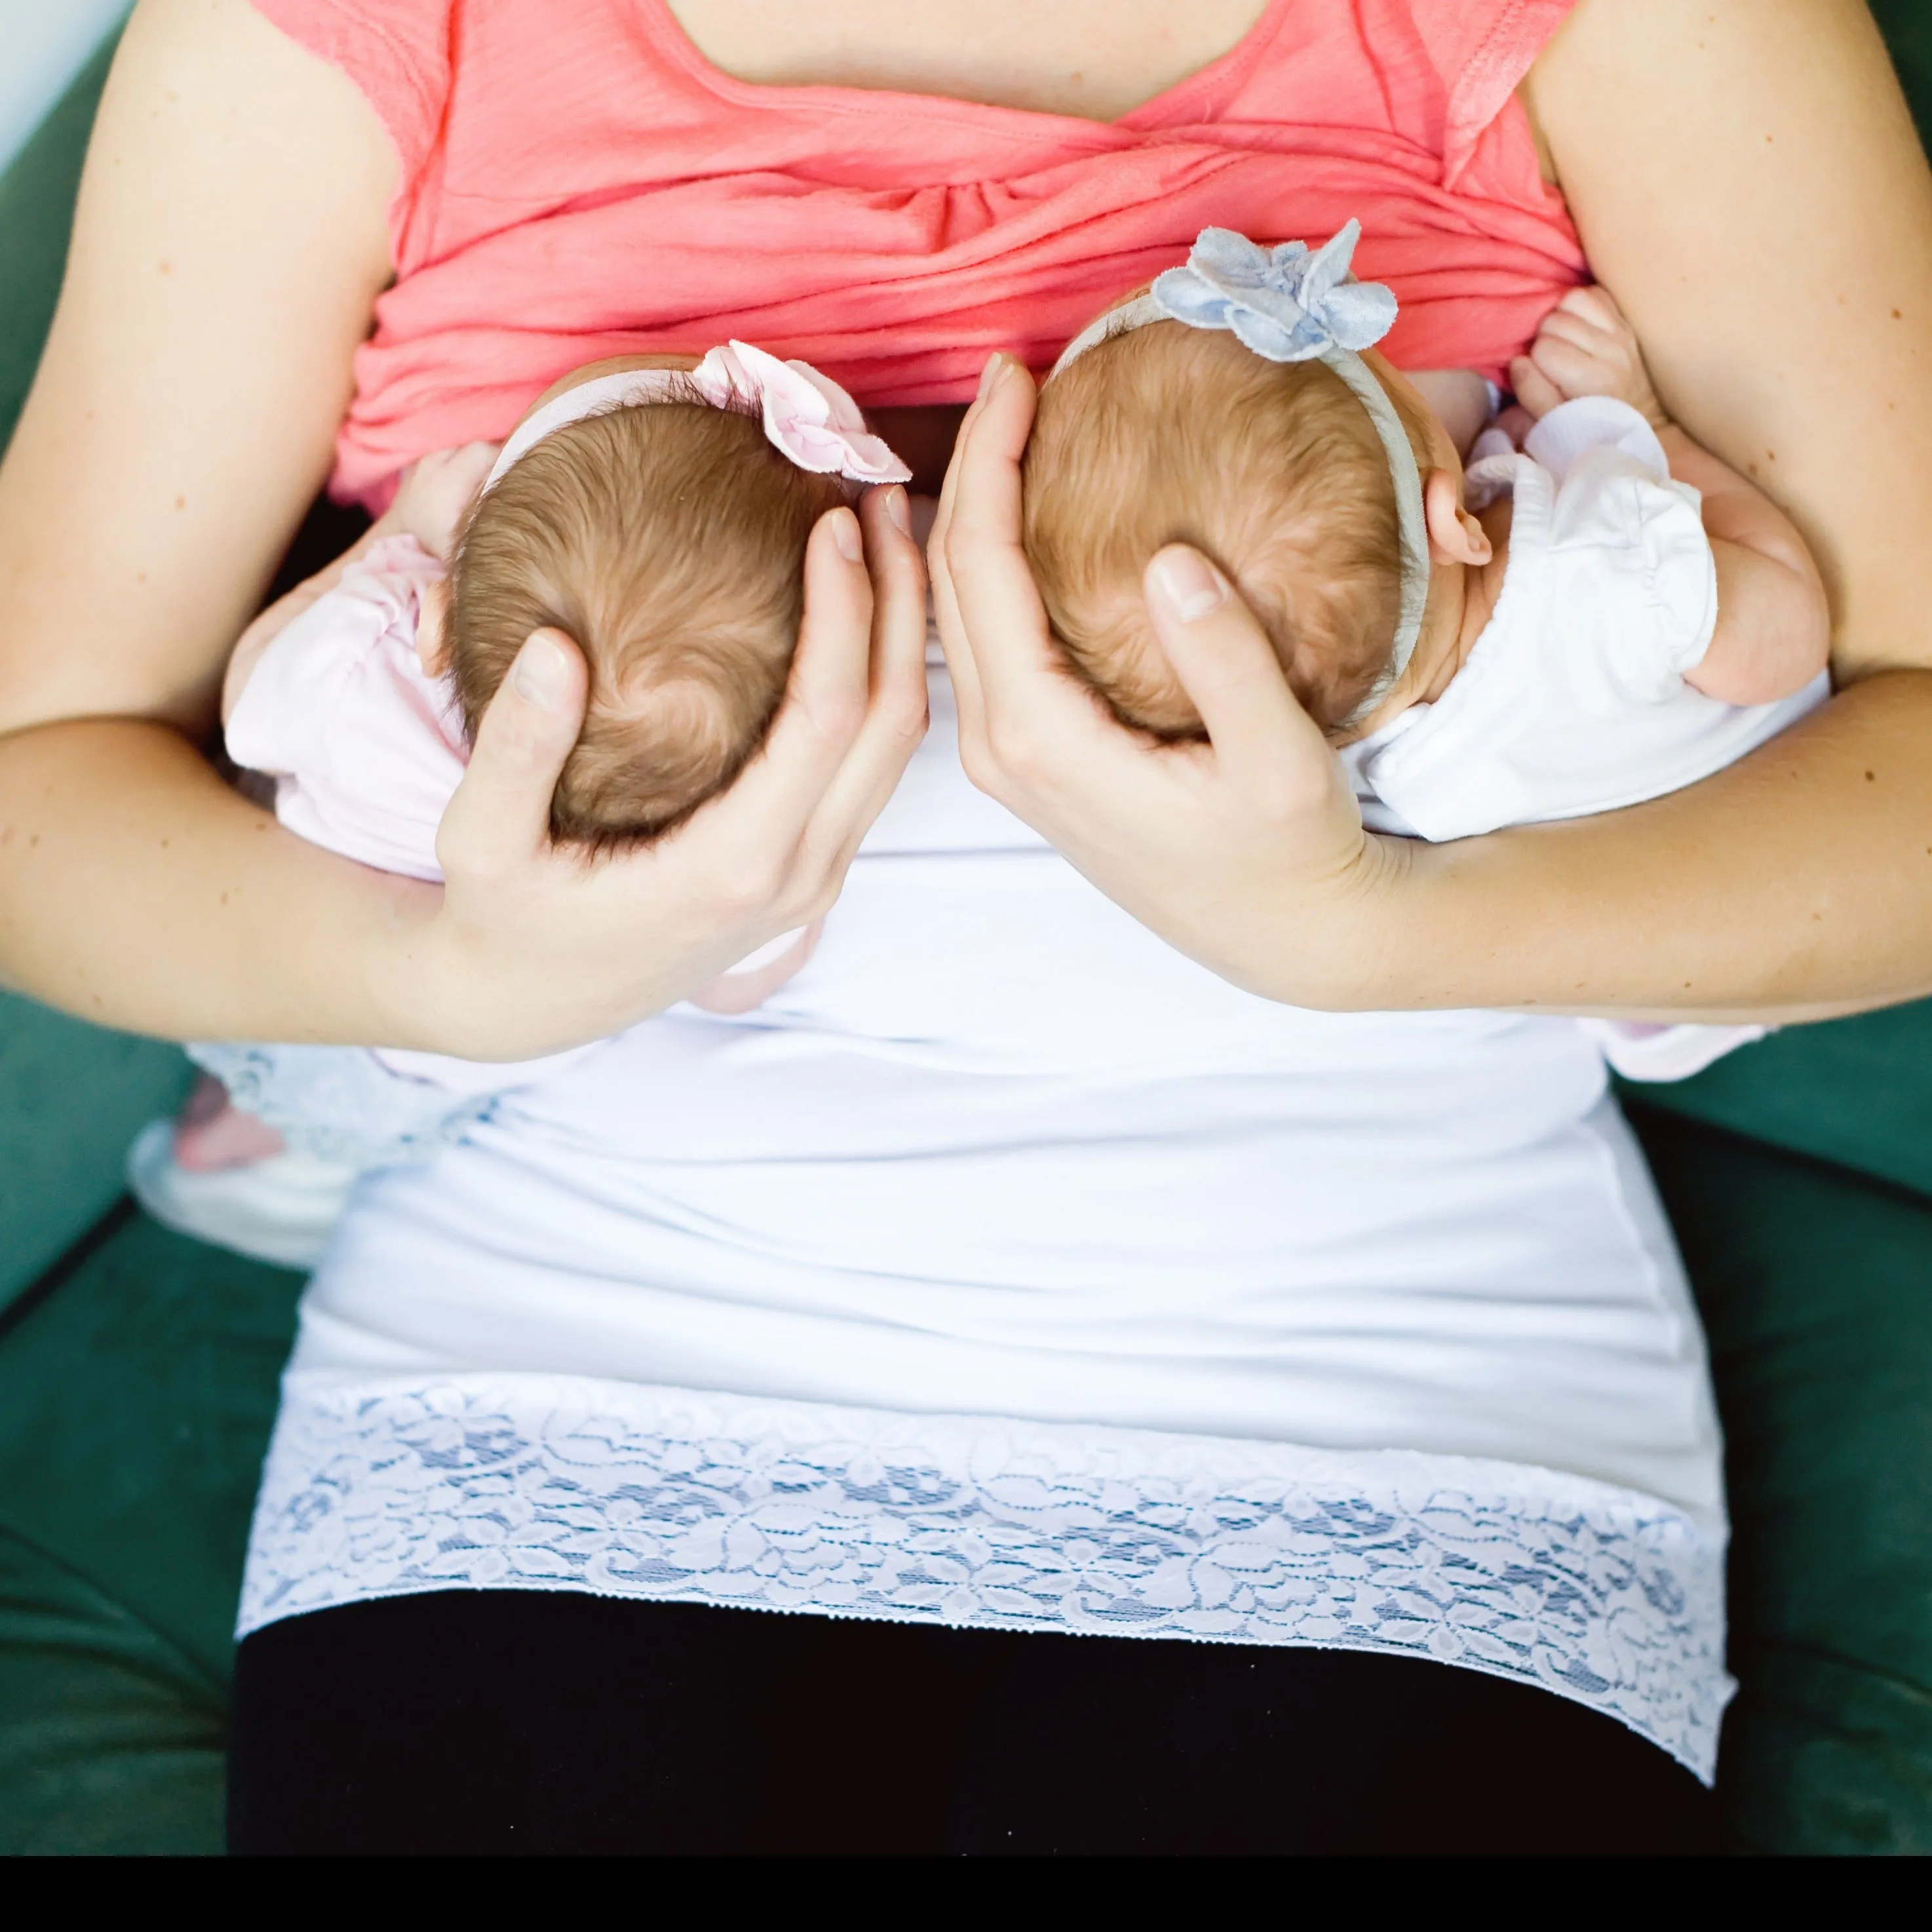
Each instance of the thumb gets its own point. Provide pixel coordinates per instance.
(502, 807)
(1263, 739)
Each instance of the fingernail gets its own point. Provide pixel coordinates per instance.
(540, 672)
(898, 511)
(991, 376)
(1190, 584)
(845, 534)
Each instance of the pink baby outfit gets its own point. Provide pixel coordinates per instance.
(578, 182)
(364, 746)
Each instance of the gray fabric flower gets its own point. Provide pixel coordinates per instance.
(1287, 304)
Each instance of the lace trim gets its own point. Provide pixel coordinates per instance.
(382, 1488)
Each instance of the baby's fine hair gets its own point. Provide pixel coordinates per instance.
(668, 540)
(1167, 434)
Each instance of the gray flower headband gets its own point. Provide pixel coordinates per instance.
(1289, 305)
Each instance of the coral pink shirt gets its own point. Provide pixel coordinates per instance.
(577, 181)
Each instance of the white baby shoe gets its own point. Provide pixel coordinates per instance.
(282, 1209)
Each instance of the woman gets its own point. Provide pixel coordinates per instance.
(995, 1240)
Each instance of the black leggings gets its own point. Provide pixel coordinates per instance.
(501, 1720)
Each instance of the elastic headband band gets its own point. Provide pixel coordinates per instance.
(1288, 304)
(808, 418)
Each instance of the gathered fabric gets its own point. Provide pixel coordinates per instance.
(894, 241)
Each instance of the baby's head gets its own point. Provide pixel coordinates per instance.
(666, 535)
(1163, 433)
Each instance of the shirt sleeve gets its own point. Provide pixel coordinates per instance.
(1481, 48)
(1635, 566)
(283, 720)
(397, 53)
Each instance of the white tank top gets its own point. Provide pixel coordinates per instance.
(998, 1149)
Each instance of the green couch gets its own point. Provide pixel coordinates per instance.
(137, 1372)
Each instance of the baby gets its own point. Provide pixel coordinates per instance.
(658, 514)
(1608, 614)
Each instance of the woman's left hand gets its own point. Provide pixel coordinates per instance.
(1246, 852)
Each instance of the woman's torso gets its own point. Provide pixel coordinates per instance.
(997, 1150)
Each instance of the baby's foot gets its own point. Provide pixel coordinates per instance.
(212, 1132)
(1584, 348)
(435, 491)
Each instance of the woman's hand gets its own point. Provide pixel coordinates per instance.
(531, 948)
(1246, 852)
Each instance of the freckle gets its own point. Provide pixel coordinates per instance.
(224, 898)
(181, 503)
(1752, 467)
(167, 268)
(33, 841)
(1767, 140)
(140, 577)
(164, 842)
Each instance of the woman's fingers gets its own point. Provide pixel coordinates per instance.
(1014, 699)
(952, 632)
(500, 813)
(826, 698)
(1265, 744)
(895, 714)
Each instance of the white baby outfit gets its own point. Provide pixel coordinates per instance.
(1573, 700)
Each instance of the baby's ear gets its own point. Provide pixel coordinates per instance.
(1455, 536)
(432, 622)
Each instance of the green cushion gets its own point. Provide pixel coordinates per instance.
(71, 1096)
(1816, 1287)
(137, 1385)
(1856, 1092)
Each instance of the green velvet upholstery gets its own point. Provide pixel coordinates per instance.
(137, 1372)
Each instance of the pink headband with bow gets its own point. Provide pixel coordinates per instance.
(808, 417)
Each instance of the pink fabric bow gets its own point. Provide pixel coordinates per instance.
(807, 416)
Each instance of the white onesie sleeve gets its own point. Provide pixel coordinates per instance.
(1573, 699)
(1625, 531)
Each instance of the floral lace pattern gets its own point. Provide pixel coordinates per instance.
(381, 1488)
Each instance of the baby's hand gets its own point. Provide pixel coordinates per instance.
(1584, 348)
(435, 492)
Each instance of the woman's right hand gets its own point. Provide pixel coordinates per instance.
(532, 948)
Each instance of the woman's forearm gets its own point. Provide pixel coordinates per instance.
(1781, 890)
(136, 890)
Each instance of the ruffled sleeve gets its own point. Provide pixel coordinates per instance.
(1628, 542)
(365, 748)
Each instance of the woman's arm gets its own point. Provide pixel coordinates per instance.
(1745, 175)
(230, 241)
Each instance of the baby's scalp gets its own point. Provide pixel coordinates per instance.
(657, 511)
(1170, 434)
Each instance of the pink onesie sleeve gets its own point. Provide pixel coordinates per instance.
(365, 749)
